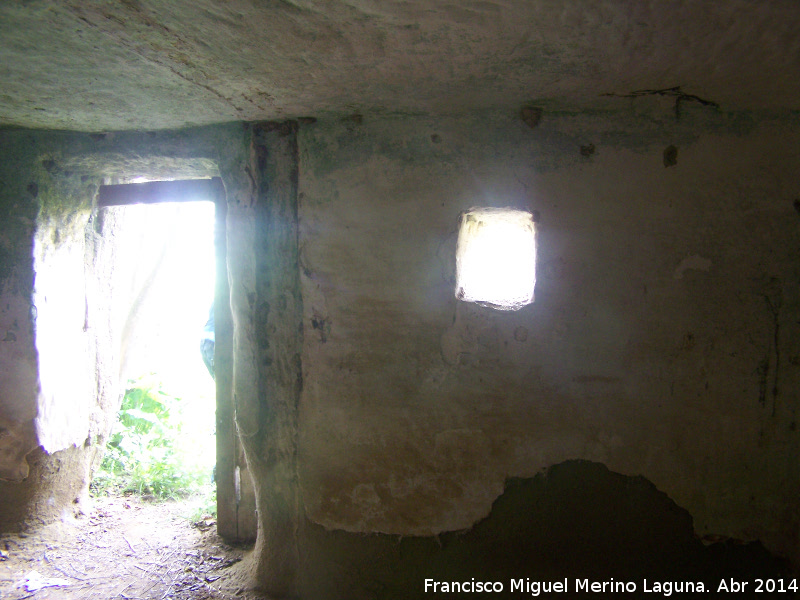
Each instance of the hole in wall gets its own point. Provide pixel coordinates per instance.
(496, 258)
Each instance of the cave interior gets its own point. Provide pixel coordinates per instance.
(635, 417)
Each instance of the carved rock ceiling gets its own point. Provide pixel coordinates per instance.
(150, 64)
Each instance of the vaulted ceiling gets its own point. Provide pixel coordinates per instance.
(147, 64)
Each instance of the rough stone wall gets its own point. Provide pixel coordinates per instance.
(663, 341)
(18, 210)
(64, 342)
(49, 390)
(168, 64)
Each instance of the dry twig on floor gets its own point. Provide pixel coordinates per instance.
(59, 569)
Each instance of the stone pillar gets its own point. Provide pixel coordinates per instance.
(267, 313)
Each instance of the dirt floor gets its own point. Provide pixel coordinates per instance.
(125, 548)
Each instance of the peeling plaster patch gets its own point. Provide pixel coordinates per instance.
(595, 512)
(692, 262)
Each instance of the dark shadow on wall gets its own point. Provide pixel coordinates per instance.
(576, 521)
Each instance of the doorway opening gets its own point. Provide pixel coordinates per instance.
(98, 284)
(161, 443)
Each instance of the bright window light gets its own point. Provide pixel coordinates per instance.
(496, 258)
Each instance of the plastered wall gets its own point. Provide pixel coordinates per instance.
(663, 341)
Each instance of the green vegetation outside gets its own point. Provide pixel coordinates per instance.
(150, 454)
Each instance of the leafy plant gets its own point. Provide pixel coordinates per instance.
(144, 454)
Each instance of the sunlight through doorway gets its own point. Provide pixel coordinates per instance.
(162, 443)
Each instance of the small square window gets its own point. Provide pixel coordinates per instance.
(496, 258)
